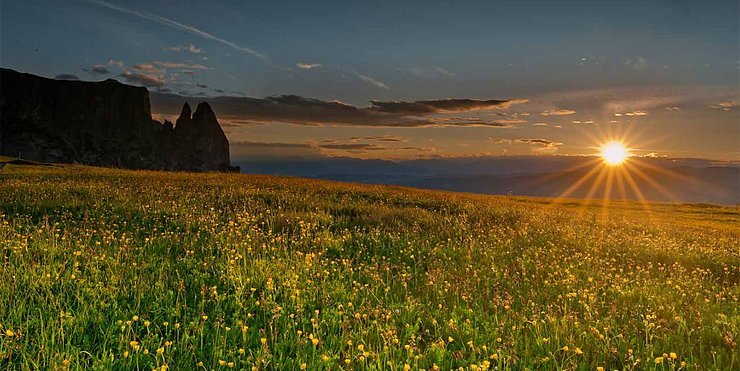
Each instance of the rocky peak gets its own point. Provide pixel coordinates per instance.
(185, 113)
(204, 114)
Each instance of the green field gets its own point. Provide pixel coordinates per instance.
(115, 269)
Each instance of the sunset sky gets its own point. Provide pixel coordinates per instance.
(411, 79)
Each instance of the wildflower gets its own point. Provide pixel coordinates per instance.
(160, 351)
(315, 341)
(658, 360)
(360, 347)
(230, 364)
(674, 355)
(163, 368)
(599, 368)
(204, 317)
(9, 333)
(565, 348)
(125, 354)
(494, 356)
(325, 358)
(136, 318)
(406, 367)
(146, 323)
(578, 351)
(165, 324)
(241, 351)
(303, 366)
(263, 341)
(347, 361)
(222, 362)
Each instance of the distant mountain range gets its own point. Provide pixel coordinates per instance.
(658, 179)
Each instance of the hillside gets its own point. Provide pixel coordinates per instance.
(120, 269)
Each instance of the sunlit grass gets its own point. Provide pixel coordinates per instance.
(121, 269)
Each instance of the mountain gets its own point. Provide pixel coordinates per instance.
(658, 179)
(103, 123)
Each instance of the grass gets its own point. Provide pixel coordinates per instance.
(116, 269)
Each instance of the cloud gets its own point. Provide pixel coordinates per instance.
(299, 110)
(181, 65)
(256, 150)
(145, 67)
(66, 76)
(307, 66)
(548, 125)
(178, 26)
(638, 63)
(378, 138)
(372, 81)
(142, 79)
(499, 140)
(633, 113)
(100, 70)
(186, 48)
(726, 106)
(448, 105)
(543, 144)
(428, 72)
(557, 112)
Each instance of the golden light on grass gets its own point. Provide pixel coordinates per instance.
(614, 153)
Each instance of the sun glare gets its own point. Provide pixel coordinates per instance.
(614, 153)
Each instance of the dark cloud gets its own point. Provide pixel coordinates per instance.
(543, 144)
(277, 149)
(353, 146)
(66, 76)
(142, 79)
(271, 144)
(450, 105)
(307, 111)
(100, 70)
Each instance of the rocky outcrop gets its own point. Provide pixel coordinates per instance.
(197, 141)
(103, 123)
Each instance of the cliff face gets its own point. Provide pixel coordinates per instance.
(100, 123)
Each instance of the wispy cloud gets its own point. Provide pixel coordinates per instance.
(372, 81)
(164, 64)
(145, 79)
(638, 63)
(726, 106)
(557, 112)
(633, 113)
(307, 66)
(178, 26)
(186, 48)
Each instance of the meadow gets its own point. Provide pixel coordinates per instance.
(116, 269)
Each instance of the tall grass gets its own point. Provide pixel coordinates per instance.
(114, 269)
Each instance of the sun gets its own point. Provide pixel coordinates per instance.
(614, 153)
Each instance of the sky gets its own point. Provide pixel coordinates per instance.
(410, 79)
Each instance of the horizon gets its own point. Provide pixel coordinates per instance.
(586, 74)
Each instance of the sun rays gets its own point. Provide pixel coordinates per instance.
(619, 169)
